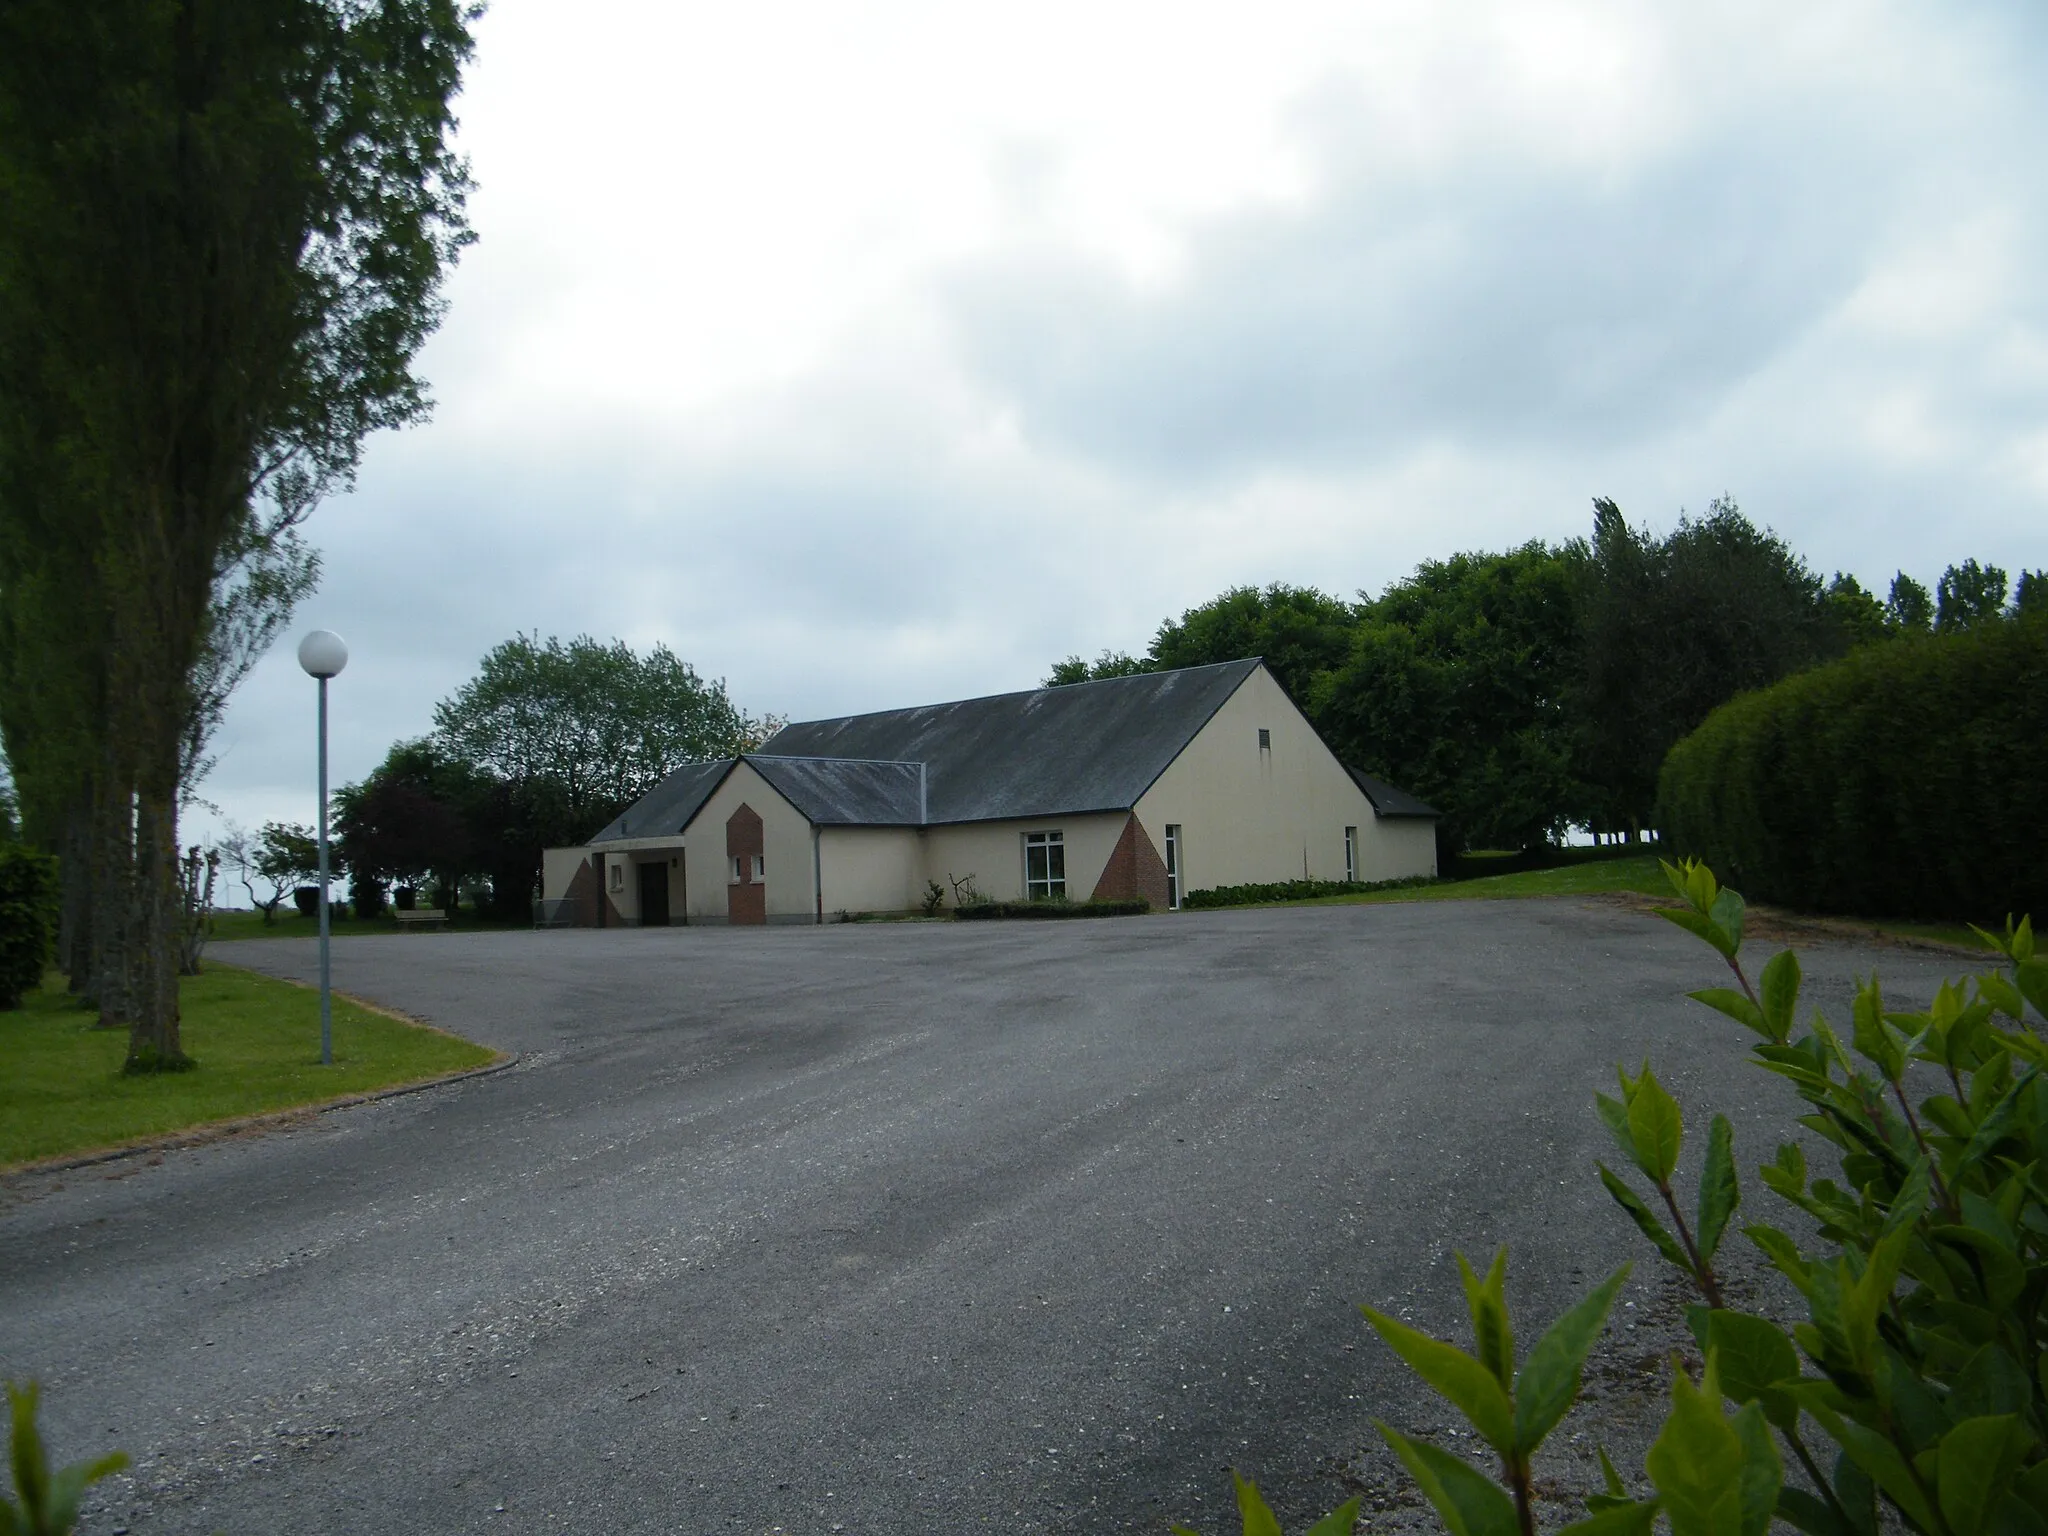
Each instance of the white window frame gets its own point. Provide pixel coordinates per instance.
(618, 876)
(1049, 886)
(760, 868)
(734, 877)
(1173, 864)
(1350, 853)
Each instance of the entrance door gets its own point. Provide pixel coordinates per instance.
(654, 895)
(746, 885)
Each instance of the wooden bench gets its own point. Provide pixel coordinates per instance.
(421, 918)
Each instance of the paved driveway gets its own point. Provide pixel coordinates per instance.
(873, 1228)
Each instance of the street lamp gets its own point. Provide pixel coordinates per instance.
(323, 655)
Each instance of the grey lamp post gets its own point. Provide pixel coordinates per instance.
(323, 655)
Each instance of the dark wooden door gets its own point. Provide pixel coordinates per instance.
(653, 895)
(746, 889)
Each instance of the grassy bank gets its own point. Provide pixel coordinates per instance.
(1640, 875)
(258, 1046)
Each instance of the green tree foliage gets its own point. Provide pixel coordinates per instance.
(586, 727)
(1856, 615)
(28, 920)
(1968, 595)
(222, 233)
(1673, 628)
(1076, 669)
(405, 824)
(283, 856)
(1455, 684)
(2030, 595)
(1902, 780)
(1299, 631)
(1909, 609)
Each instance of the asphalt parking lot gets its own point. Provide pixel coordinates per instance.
(920, 1227)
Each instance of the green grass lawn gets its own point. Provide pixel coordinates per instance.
(258, 1046)
(1641, 875)
(1589, 879)
(289, 925)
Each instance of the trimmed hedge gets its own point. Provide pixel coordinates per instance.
(977, 910)
(28, 920)
(1905, 780)
(1296, 890)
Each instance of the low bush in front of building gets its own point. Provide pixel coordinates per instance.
(997, 909)
(1296, 890)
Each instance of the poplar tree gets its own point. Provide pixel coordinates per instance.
(223, 229)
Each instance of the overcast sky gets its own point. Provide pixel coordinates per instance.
(872, 355)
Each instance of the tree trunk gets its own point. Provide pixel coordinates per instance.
(154, 1044)
(112, 901)
(74, 919)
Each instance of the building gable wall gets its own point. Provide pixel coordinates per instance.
(785, 853)
(1249, 814)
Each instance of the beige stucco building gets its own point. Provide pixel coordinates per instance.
(1148, 786)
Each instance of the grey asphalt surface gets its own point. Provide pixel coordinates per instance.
(921, 1227)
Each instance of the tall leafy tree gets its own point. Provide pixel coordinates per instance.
(1968, 595)
(1674, 627)
(223, 229)
(1454, 686)
(1298, 630)
(598, 725)
(1909, 608)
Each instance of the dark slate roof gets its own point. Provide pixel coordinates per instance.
(667, 808)
(1049, 752)
(845, 792)
(1388, 801)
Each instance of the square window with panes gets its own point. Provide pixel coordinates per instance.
(1045, 866)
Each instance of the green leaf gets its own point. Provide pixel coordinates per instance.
(1698, 924)
(1754, 1356)
(1614, 1115)
(1626, 1519)
(1763, 1472)
(1493, 1336)
(1645, 1220)
(1696, 1462)
(1974, 1467)
(1806, 1512)
(1550, 1378)
(1616, 1489)
(1258, 1520)
(1878, 1459)
(1341, 1521)
(1467, 1501)
(1779, 989)
(1997, 1124)
(1719, 1193)
(1656, 1127)
(1873, 1038)
(31, 1462)
(1469, 1385)
(1739, 1008)
(2031, 977)
(1727, 918)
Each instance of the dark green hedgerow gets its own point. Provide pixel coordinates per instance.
(1902, 781)
(28, 919)
(1296, 890)
(975, 910)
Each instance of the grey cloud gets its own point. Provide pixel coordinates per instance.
(1502, 306)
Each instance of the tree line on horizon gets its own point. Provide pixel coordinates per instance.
(1539, 688)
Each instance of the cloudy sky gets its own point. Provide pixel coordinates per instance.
(870, 355)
